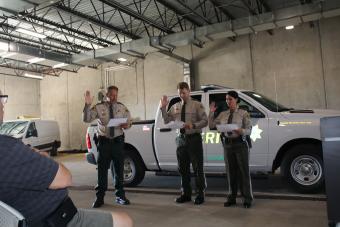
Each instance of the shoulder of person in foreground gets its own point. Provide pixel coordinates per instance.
(36, 171)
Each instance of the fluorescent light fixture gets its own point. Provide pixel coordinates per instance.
(122, 59)
(33, 76)
(7, 54)
(60, 65)
(289, 27)
(35, 60)
(3, 46)
(27, 32)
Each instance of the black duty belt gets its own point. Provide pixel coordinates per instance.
(191, 135)
(104, 138)
(232, 140)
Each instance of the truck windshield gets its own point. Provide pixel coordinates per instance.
(13, 128)
(266, 102)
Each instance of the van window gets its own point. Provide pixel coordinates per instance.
(32, 131)
(221, 105)
(178, 99)
(13, 128)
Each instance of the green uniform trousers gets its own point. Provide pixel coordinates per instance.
(191, 151)
(110, 150)
(236, 157)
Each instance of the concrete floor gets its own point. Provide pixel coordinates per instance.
(159, 210)
(156, 207)
(85, 177)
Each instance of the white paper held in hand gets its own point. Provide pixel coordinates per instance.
(175, 124)
(226, 127)
(114, 122)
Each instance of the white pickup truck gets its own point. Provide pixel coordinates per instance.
(281, 137)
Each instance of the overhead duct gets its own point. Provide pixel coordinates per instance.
(166, 49)
(137, 48)
(266, 21)
(251, 24)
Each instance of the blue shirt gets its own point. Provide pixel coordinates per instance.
(25, 176)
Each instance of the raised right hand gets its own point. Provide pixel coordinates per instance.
(88, 98)
(164, 101)
(212, 107)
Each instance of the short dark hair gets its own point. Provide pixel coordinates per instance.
(182, 85)
(112, 88)
(234, 94)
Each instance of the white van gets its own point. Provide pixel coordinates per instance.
(41, 134)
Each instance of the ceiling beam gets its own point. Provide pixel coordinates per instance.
(248, 6)
(265, 5)
(48, 38)
(254, 13)
(193, 11)
(222, 9)
(86, 36)
(19, 39)
(28, 67)
(137, 15)
(99, 23)
(180, 12)
(37, 52)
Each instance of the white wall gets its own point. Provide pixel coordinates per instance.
(62, 99)
(24, 96)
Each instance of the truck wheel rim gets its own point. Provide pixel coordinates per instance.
(306, 170)
(129, 170)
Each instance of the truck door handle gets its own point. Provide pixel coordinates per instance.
(165, 129)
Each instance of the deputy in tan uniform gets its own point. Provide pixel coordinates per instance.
(189, 141)
(236, 148)
(110, 142)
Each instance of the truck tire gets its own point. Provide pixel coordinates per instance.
(134, 170)
(302, 166)
(54, 150)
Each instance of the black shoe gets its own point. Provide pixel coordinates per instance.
(98, 203)
(246, 205)
(183, 199)
(230, 203)
(199, 200)
(122, 200)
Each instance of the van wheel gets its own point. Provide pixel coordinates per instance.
(54, 150)
(302, 166)
(134, 170)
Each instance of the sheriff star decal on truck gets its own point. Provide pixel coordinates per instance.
(255, 133)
